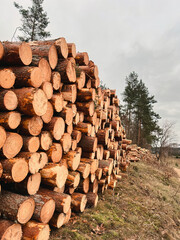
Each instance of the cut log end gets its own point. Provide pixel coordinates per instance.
(2, 136)
(49, 113)
(10, 100)
(20, 170)
(14, 120)
(46, 70)
(11, 231)
(57, 220)
(25, 53)
(53, 57)
(7, 78)
(59, 128)
(40, 102)
(33, 183)
(12, 145)
(36, 77)
(47, 211)
(25, 211)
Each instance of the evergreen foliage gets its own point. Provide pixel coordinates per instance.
(34, 22)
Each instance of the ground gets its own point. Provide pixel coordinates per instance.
(143, 206)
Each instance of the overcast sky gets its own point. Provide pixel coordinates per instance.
(120, 36)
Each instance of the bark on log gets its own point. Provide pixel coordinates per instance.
(71, 50)
(31, 125)
(10, 120)
(86, 95)
(93, 187)
(7, 78)
(67, 115)
(10, 230)
(69, 92)
(33, 160)
(92, 199)
(57, 220)
(99, 173)
(15, 53)
(8, 100)
(91, 119)
(66, 142)
(93, 164)
(82, 58)
(83, 127)
(72, 159)
(86, 108)
(55, 153)
(30, 144)
(91, 72)
(83, 186)
(56, 127)
(88, 144)
(36, 231)
(16, 207)
(73, 179)
(79, 201)
(67, 71)
(76, 135)
(84, 169)
(67, 216)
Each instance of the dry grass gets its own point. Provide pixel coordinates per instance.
(144, 206)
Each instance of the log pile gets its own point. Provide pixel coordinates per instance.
(61, 138)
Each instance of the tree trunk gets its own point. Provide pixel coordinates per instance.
(56, 127)
(2, 136)
(67, 71)
(31, 125)
(8, 100)
(57, 220)
(55, 153)
(6, 73)
(48, 114)
(92, 199)
(10, 230)
(69, 92)
(82, 58)
(30, 144)
(72, 158)
(79, 201)
(87, 108)
(57, 102)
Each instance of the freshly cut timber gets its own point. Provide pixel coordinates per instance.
(66, 142)
(12, 145)
(76, 135)
(31, 101)
(16, 207)
(83, 186)
(27, 76)
(55, 153)
(44, 208)
(46, 140)
(91, 72)
(93, 164)
(62, 200)
(103, 135)
(84, 169)
(7, 78)
(54, 175)
(43, 159)
(86, 95)
(33, 160)
(8, 100)
(67, 71)
(92, 199)
(57, 220)
(71, 50)
(91, 119)
(10, 230)
(1, 170)
(10, 120)
(80, 79)
(30, 144)
(46, 51)
(49, 113)
(30, 185)
(69, 92)
(83, 127)
(67, 216)
(57, 101)
(107, 166)
(43, 64)
(48, 89)
(79, 201)
(36, 231)
(88, 144)
(31, 125)
(2, 136)
(73, 179)
(98, 173)
(14, 169)
(86, 107)
(73, 159)
(15, 53)
(82, 58)
(56, 127)
(93, 187)
(56, 80)
(67, 115)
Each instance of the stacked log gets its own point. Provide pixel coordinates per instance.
(61, 137)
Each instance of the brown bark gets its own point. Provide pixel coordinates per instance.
(7, 78)
(57, 101)
(67, 115)
(86, 108)
(76, 135)
(69, 92)
(31, 125)
(102, 135)
(12, 145)
(106, 154)
(8, 100)
(31, 101)
(86, 95)
(88, 144)
(79, 201)
(99, 173)
(73, 179)
(93, 164)
(84, 169)
(91, 72)
(66, 142)
(55, 153)
(107, 166)
(83, 186)
(72, 159)
(90, 155)
(33, 160)
(91, 119)
(57, 220)
(83, 127)
(67, 71)
(36, 231)
(92, 199)
(10, 120)
(15, 53)
(67, 216)
(82, 58)
(10, 230)
(44, 208)
(93, 187)
(16, 207)
(14, 169)
(71, 50)
(56, 127)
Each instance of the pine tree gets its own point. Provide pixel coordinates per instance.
(34, 22)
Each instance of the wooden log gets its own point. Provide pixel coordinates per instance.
(46, 51)
(57, 102)
(93, 164)
(49, 113)
(2, 136)
(106, 154)
(90, 155)
(48, 89)
(31, 125)
(30, 144)
(7, 78)
(99, 173)
(84, 169)
(86, 95)
(35, 230)
(43, 160)
(55, 153)
(73, 107)
(62, 200)
(83, 127)
(74, 144)
(67, 71)
(1, 170)
(15, 53)
(88, 144)
(82, 58)
(91, 119)
(69, 128)
(91, 72)
(45, 140)
(44, 208)
(16, 207)
(79, 201)
(10, 120)
(14, 169)
(56, 127)
(107, 166)
(66, 142)
(8, 100)
(67, 216)
(92, 199)
(31, 101)
(12, 145)
(95, 82)
(57, 220)
(33, 160)
(93, 187)
(54, 175)
(88, 82)
(67, 115)
(30, 185)
(72, 159)
(71, 50)
(56, 80)
(69, 92)
(43, 64)
(76, 119)
(81, 116)
(87, 108)
(10, 230)
(80, 79)
(102, 135)
(83, 186)
(73, 179)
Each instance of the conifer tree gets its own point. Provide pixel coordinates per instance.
(34, 22)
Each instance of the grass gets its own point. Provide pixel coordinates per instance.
(144, 206)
